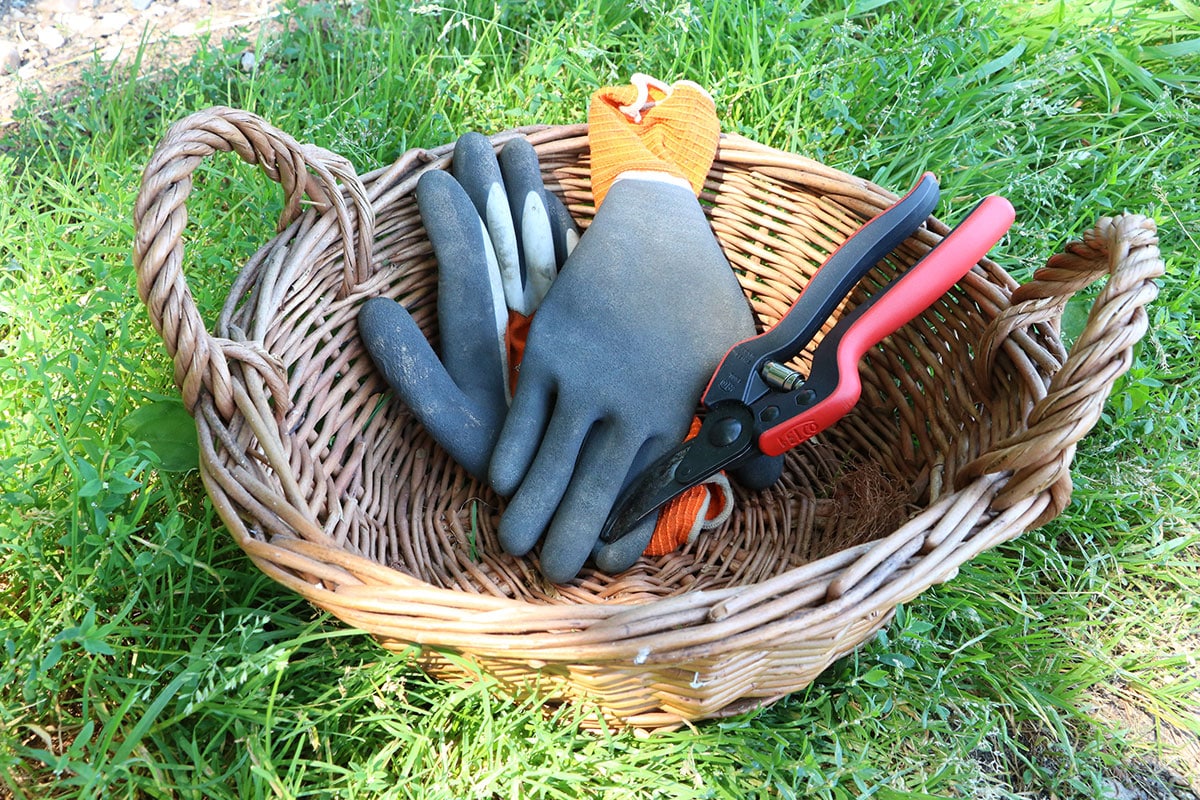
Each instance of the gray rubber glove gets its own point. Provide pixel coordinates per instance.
(618, 355)
(499, 238)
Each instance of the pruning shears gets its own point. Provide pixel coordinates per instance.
(757, 405)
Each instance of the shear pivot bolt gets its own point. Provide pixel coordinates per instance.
(725, 433)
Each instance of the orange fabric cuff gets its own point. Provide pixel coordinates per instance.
(699, 508)
(678, 135)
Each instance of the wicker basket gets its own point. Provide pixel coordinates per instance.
(963, 439)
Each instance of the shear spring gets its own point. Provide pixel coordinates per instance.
(781, 377)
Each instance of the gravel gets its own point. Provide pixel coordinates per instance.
(46, 44)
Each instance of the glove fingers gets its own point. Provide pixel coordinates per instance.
(622, 554)
(472, 317)
(475, 167)
(531, 218)
(759, 473)
(527, 420)
(604, 462)
(465, 426)
(529, 513)
(566, 232)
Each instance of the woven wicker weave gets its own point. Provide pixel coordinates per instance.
(963, 439)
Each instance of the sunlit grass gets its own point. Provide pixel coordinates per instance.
(143, 655)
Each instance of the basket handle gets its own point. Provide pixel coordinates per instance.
(1125, 248)
(202, 360)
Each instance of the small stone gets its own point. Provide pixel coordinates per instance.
(110, 23)
(50, 38)
(141, 5)
(1115, 790)
(78, 23)
(10, 58)
(62, 6)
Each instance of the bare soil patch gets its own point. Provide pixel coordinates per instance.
(46, 44)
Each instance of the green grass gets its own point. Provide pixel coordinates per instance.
(143, 655)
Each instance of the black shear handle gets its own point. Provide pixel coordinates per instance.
(738, 377)
(834, 382)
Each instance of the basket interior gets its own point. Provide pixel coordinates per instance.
(377, 485)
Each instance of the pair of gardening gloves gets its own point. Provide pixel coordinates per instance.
(631, 320)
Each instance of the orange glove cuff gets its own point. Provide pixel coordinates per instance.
(678, 135)
(700, 508)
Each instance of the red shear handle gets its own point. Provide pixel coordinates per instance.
(898, 304)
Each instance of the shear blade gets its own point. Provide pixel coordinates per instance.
(652, 488)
